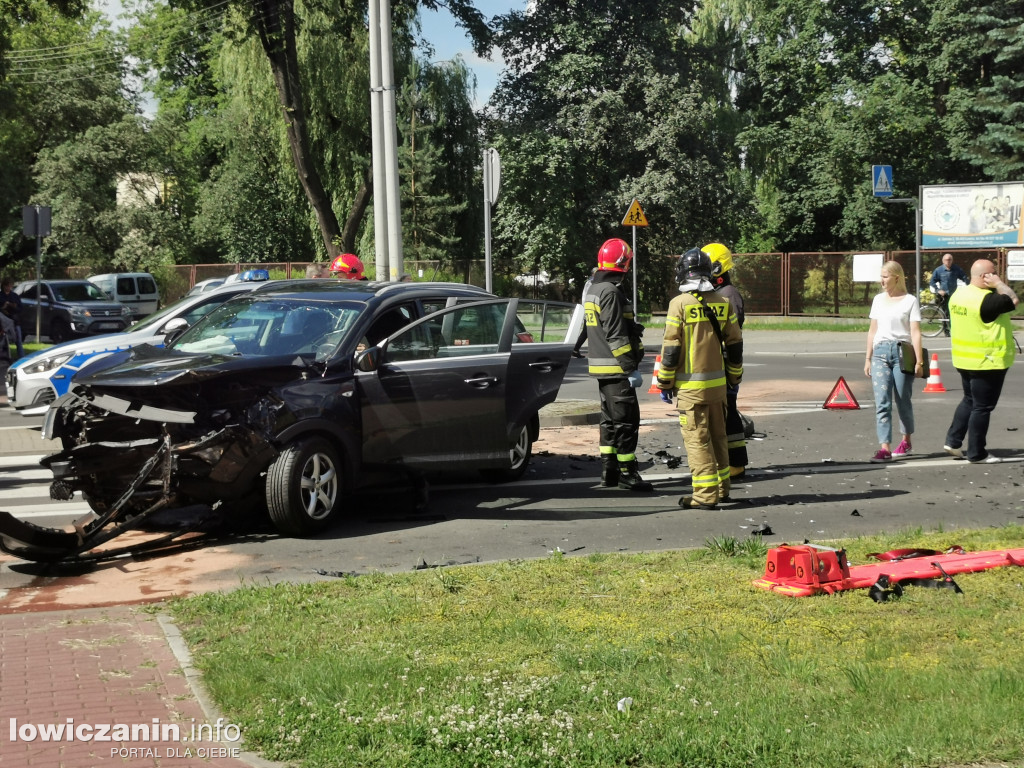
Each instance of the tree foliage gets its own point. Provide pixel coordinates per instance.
(603, 102)
(999, 147)
(64, 79)
(746, 121)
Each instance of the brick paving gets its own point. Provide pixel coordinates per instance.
(99, 667)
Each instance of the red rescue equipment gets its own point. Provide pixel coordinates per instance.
(808, 569)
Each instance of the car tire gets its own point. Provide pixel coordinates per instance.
(519, 453)
(304, 487)
(59, 330)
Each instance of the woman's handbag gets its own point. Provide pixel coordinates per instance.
(908, 360)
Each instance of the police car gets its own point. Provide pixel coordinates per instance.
(35, 381)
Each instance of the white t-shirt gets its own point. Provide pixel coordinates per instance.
(894, 316)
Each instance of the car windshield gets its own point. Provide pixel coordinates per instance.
(78, 292)
(272, 326)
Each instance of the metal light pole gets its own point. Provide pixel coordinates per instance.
(492, 185)
(387, 206)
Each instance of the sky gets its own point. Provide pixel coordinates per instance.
(448, 40)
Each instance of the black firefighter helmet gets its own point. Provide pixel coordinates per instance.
(693, 265)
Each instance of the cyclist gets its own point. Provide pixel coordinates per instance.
(945, 279)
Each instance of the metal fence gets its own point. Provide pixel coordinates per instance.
(820, 284)
(800, 284)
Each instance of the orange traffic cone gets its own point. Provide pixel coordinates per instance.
(654, 388)
(934, 383)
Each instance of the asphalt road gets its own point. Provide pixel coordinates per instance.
(809, 478)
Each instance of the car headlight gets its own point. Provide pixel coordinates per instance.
(127, 311)
(47, 363)
(78, 312)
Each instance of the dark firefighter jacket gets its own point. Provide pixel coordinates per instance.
(614, 347)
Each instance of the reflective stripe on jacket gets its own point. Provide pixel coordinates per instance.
(977, 345)
(614, 347)
(691, 357)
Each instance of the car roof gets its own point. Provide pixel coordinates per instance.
(361, 290)
(60, 281)
(122, 274)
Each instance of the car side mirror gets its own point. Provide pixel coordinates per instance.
(176, 324)
(368, 359)
(175, 334)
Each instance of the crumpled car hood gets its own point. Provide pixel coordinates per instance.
(166, 385)
(149, 367)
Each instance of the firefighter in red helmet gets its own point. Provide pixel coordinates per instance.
(347, 266)
(615, 352)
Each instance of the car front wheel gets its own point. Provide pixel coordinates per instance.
(519, 453)
(303, 487)
(59, 331)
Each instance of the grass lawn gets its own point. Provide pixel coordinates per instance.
(661, 659)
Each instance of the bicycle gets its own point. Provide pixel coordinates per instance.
(933, 320)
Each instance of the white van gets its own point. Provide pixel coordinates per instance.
(136, 290)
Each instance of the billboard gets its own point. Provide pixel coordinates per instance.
(972, 215)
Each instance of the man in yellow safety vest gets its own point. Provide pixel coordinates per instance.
(983, 351)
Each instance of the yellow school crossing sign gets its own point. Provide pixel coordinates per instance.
(635, 215)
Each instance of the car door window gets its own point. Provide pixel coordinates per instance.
(543, 321)
(470, 330)
(388, 322)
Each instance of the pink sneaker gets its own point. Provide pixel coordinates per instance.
(881, 456)
(903, 449)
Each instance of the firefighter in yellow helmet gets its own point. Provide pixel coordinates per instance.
(702, 354)
(614, 354)
(721, 263)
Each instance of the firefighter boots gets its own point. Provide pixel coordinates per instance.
(609, 470)
(629, 478)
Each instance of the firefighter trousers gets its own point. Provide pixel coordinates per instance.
(707, 450)
(620, 418)
(735, 435)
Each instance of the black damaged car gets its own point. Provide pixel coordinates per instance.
(297, 396)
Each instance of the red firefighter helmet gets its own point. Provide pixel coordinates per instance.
(615, 255)
(347, 266)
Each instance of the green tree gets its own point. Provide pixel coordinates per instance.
(64, 77)
(436, 160)
(999, 146)
(18, 13)
(288, 34)
(603, 102)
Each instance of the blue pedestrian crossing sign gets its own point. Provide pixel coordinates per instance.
(881, 180)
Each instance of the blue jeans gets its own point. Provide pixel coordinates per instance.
(971, 417)
(890, 385)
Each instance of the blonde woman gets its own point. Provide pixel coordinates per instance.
(895, 317)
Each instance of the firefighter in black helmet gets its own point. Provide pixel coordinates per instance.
(701, 355)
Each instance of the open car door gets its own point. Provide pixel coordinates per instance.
(453, 388)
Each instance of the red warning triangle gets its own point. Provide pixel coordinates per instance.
(841, 389)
